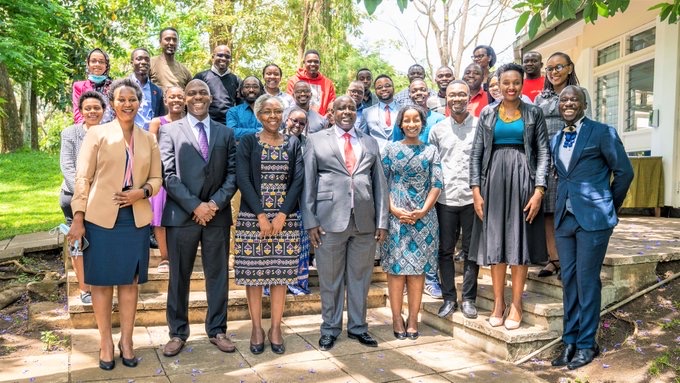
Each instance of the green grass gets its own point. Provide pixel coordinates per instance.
(29, 193)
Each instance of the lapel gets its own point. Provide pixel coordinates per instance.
(364, 147)
(212, 140)
(333, 142)
(188, 132)
(555, 150)
(140, 146)
(581, 142)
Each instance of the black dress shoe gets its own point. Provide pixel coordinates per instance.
(583, 356)
(469, 309)
(447, 308)
(566, 355)
(132, 362)
(326, 342)
(401, 335)
(366, 339)
(153, 243)
(412, 335)
(276, 348)
(257, 348)
(108, 366)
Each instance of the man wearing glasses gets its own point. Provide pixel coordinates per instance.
(302, 94)
(223, 83)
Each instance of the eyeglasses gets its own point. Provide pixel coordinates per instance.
(277, 112)
(223, 55)
(95, 61)
(478, 57)
(297, 122)
(557, 68)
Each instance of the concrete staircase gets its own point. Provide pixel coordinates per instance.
(153, 297)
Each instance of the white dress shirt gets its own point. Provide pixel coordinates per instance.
(354, 140)
(206, 125)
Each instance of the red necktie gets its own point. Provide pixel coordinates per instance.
(388, 116)
(350, 160)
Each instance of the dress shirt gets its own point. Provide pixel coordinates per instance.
(145, 111)
(242, 119)
(478, 102)
(454, 144)
(564, 154)
(206, 125)
(354, 140)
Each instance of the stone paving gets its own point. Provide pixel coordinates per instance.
(434, 357)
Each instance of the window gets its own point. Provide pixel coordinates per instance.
(607, 99)
(641, 40)
(608, 54)
(640, 95)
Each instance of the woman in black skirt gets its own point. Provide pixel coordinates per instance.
(119, 168)
(508, 167)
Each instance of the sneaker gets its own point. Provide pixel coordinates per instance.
(433, 290)
(265, 291)
(86, 297)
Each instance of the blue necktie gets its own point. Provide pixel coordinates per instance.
(569, 136)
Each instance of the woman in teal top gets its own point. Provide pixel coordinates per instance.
(507, 175)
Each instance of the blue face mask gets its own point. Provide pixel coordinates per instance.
(97, 78)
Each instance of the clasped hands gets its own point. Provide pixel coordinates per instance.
(408, 217)
(273, 227)
(128, 198)
(205, 212)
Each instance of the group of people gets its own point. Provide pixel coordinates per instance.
(366, 174)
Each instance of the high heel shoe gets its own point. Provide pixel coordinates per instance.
(512, 324)
(276, 348)
(107, 366)
(400, 335)
(132, 362)
(498, 321)
(546, 273)
(258, 348)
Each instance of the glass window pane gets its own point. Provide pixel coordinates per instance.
(641, 40)
(607, 99)
(608, 54)
(640, 95)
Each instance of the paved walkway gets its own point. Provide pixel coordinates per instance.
(433, 357)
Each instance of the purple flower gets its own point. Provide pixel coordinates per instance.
(604, 365)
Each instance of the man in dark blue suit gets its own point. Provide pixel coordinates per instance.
(586, 154)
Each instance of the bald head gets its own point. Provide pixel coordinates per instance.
(221, 58)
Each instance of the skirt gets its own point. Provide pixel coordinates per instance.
(157, 206)
(504, 236)
(115, 256)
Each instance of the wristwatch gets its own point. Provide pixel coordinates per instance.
(147, 193)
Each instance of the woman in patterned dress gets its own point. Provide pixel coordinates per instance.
(414, 178)
(269, 174)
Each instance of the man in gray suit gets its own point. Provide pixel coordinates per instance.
(378, 120)
(345, 208)
(199, 162)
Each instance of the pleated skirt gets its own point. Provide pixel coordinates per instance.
(115, 256)
(504, 236)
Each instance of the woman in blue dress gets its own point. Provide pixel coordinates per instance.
(414, 178)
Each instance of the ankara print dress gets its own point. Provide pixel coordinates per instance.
(274, 260)
(411, 172)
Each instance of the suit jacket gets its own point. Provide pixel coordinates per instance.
(156, 100)
(594, 195)
(329, 188)
(373, 124)
(101, 170)
(189, 180)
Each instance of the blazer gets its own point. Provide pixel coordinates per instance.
(536, 145)
(249, 177)
(156, 99)
(594, 195)
(189, 180)
(329, 188)
(101, 169)
(373, 124)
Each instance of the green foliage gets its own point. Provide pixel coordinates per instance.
(667, 361)
(50, 133)
(668, 11)
(52, 340)
(29, 192)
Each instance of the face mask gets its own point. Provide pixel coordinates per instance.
(97, 78)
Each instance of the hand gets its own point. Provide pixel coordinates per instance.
(266, 227)
(128, 198)
(203, 214)
(380, 235)
(402, 215)
(533, 206)
(315, 234)
(77, 230)
(478, 203)
(418, 214)
(278, 222)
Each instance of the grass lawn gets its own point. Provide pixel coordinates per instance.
(29, 193)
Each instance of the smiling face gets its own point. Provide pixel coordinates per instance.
(473, 76)
(174, 100)
(302, 93)
(481, 57)
(250, 90)
(443, 77)
(92, 111)
(457, 98)
(411, 124)
(141, 62)
(511, 85)
(558, 69)
(221, 58)
(125, 104)
(384, 89)
(272, 77)
(344, 113)
(296, 122)
(311, 64)
(418, 92)
(356, 91)
(271, 115)
(532, 64)
(169, 42)
(572, 104)
(494, 88)
(197, 98)
(97, 64)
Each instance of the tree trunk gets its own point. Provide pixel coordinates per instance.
(34, 121)
(221, 30)
(10, 125)
(306, 15)
(25, 112)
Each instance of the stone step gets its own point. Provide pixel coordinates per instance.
(151, 307)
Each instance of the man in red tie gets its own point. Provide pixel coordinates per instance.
(345, 208)
(378, 120)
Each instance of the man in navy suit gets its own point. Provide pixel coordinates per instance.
(586, 154)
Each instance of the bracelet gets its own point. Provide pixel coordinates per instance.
(540, 189)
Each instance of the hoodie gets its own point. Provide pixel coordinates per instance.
(323, 90)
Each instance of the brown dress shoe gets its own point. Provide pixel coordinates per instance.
(173, 347)
(223, 343)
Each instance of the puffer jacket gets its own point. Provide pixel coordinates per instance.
(536, 146)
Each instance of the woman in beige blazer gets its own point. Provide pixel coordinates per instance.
(118, 169)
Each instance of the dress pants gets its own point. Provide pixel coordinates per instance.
(581, 254)
(182, 246)
(451, 220)
(345, 259)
